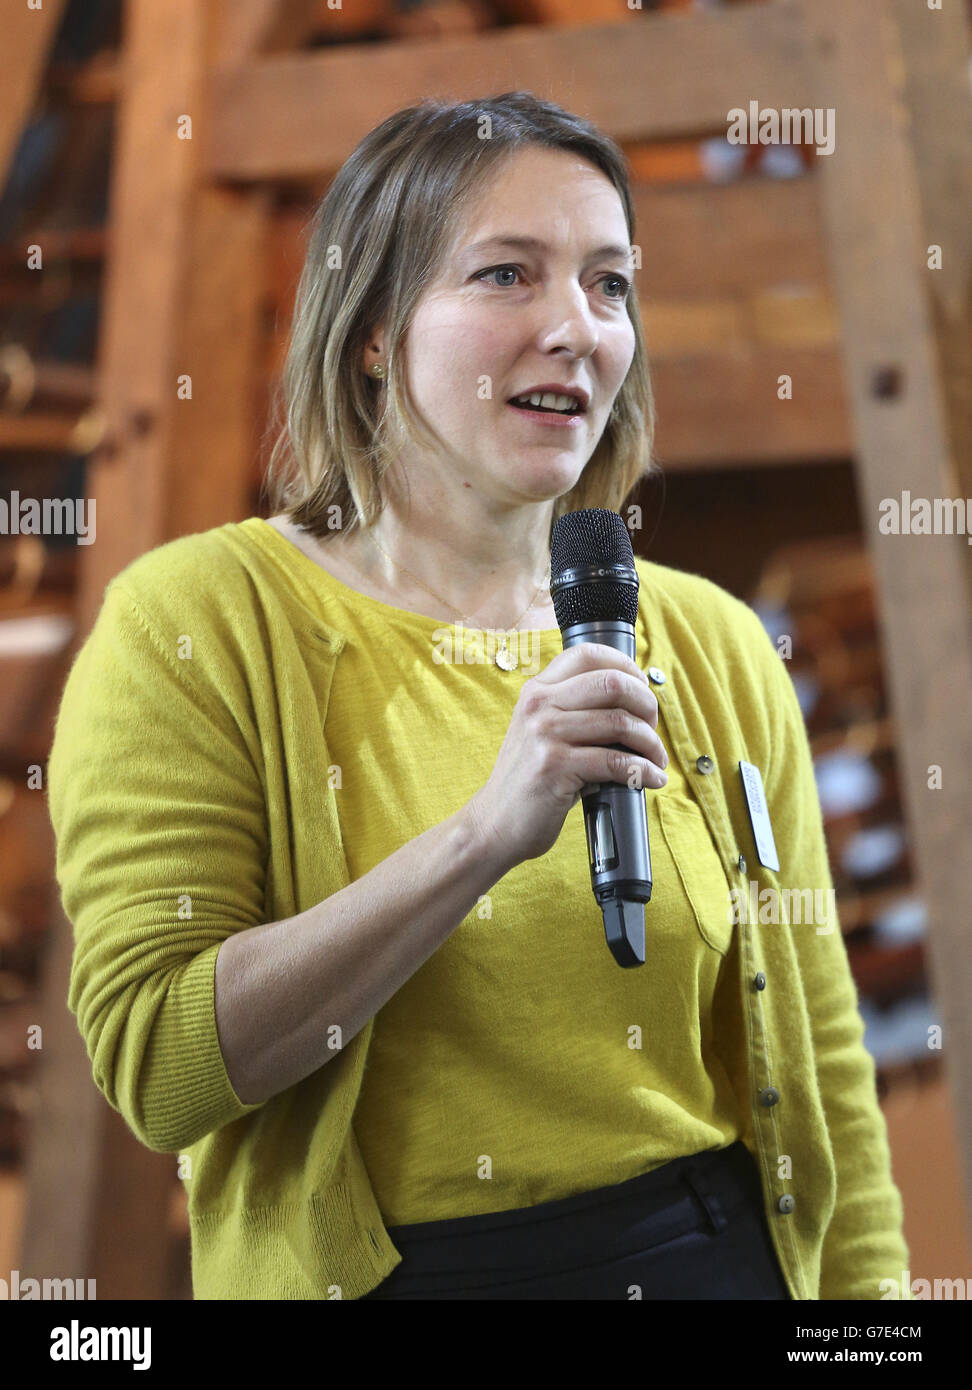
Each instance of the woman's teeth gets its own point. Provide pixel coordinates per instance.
(547, 401)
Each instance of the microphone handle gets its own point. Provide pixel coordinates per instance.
(616, 826)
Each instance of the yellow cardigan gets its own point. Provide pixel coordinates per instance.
(188, 786)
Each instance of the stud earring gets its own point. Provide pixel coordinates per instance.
(378, 369)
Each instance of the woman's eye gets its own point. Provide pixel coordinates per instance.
(625, 285)
(498, 270)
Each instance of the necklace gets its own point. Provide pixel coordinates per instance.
(505, 659)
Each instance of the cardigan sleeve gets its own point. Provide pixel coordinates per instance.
(864, 1243)
(161, 847)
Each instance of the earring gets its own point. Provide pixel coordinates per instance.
(378, 369)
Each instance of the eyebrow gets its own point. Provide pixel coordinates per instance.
(529, 243)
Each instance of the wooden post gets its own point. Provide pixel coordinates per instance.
(912, 433)
(935, 48)
(182, 305)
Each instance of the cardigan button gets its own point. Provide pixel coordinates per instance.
(759, 980)
(769, 1096)
(657, 676)
(704, 763)
(786, 1204)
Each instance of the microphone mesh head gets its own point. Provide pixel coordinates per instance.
(595, 536)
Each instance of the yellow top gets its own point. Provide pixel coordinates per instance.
(228, 685)
(520, 1063)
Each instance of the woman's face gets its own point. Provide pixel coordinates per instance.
(502, 318)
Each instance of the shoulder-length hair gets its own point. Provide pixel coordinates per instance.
(377, 239)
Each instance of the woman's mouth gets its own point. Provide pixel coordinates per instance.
(569, 416)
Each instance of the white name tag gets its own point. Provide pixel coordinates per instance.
(759, 815)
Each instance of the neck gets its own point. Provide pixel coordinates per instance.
(485, 563)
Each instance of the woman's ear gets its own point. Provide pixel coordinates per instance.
(374, 352)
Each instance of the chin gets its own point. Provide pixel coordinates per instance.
(549, 482)
(547, 491)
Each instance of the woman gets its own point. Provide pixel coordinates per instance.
(316, 789)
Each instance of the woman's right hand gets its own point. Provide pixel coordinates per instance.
(557, 746)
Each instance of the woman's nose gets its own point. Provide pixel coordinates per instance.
(568, 321)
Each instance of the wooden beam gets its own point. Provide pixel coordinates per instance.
(75, 244)
(218, 342)
(181, 310)
(42, 382)
(936, 94)
(247, 27)
(144, 283)
(435, 19)
(49, 433)
(72, 267)
(722, 238)
(27, 38)
(877, 209)
(668, 75)
(785, 317)
(720, 411)
(99, 82)
(575, 14)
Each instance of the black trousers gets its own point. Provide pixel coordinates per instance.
(694, 1228)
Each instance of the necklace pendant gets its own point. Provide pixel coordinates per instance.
(505, 659)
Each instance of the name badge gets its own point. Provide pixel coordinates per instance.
(759, 815)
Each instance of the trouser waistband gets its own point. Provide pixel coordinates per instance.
(721, 1180)
(685, 1194)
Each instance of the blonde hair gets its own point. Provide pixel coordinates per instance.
(377, 240)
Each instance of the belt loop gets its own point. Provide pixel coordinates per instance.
(696, 1181)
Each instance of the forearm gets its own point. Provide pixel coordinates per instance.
(281, 987)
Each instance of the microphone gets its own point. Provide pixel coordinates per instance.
(594, 586)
